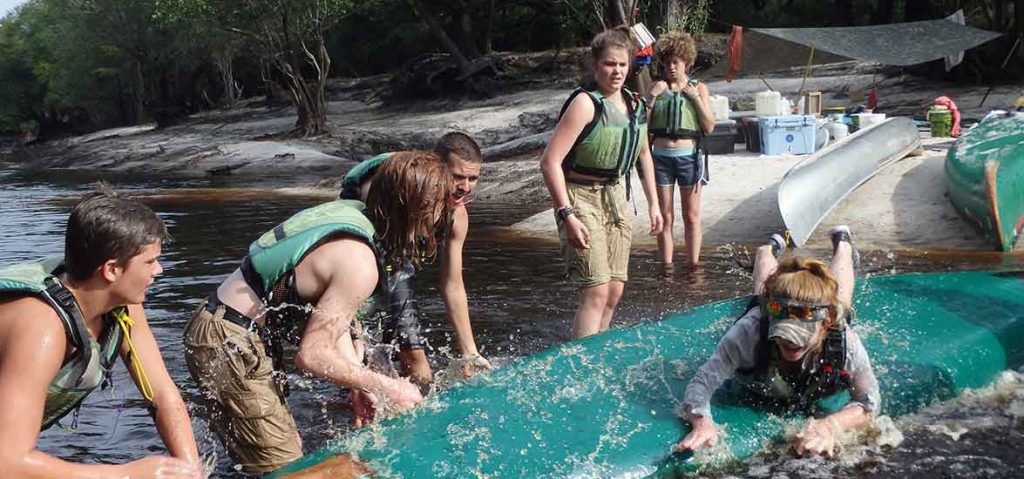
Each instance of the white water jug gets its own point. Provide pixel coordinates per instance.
(768, 103)
(720, 107)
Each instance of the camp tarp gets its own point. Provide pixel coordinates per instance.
(898, 44)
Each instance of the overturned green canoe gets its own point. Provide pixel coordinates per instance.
(605, 406)
(985, 177)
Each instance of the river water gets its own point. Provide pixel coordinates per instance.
(518, 304)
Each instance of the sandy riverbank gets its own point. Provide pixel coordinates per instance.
(902, 207)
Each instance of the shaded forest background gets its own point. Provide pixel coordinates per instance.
(70, 66)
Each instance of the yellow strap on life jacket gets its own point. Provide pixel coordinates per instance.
(141, 380)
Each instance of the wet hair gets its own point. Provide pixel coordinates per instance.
(612, 38)
(676, 44)
(808, 280)
(458, 144)
(409, 188)
(105, 226)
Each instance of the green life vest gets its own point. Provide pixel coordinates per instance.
(673, 115)
(279, 250)
(610, 144)
(90, 364)
(352, 183)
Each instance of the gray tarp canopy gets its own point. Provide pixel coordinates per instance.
(894, 44)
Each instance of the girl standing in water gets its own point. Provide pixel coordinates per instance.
(680, 116)
(587, 164)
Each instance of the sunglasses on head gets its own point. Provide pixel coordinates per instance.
(783, 308)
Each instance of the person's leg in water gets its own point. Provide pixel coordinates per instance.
(591, 310)
(615, 289)
(689, 199)
(844, 262)
(766, 260)
(666, 243)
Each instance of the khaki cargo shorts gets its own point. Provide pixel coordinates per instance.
(603, 210)
(244, 403)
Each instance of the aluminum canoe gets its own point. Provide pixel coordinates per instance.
(814, 187)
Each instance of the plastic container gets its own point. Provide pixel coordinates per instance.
(751, 133)
(793, 134)
(865, 120)
(722, 141)
(941, 119)
(768, 103)
(837, 130)
(720, 107)
(821, 135)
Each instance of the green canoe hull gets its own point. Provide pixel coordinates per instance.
(985, 178)
(606, 405)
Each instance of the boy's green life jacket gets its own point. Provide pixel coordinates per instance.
(281, 249)
(89, 366)
(609, 145)
(351, 184)
(673, 115)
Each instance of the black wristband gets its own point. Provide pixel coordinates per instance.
(564, 212)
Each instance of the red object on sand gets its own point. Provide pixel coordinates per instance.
(949, 103)
(873, 99)
(735, 50)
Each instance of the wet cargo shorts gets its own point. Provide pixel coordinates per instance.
(244, 403)
(603, 210)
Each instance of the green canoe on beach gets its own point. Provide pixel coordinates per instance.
(985, 177)
(606, 406)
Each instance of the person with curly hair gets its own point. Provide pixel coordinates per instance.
(680, 116)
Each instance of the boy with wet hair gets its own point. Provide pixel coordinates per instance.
(402, 325)
(63, 322)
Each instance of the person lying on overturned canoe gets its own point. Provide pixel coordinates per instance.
(402, 324)
(791, 348)
(304, 282)
(63, 323)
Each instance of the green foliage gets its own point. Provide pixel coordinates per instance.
(86, 64)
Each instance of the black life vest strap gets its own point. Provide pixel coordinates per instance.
(763, 350)
(76, 330)
(831, 375)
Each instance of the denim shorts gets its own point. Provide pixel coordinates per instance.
(678, 165)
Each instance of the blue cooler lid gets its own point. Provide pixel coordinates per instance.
(789, 120)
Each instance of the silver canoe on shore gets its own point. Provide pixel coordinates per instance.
(812, 188)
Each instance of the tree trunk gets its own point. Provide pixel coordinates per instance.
(998, 15)
(883, 13)
(139, 112)
(618, 13)
(489, 32)
(466, 29)
(1018, 19)
(310, 99)
(225, 66)
(437, 29)
(844, 13)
